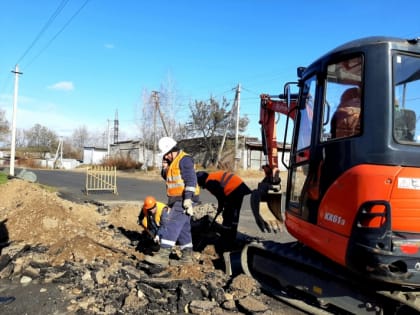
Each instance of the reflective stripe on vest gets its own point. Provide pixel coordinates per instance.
(174, 183)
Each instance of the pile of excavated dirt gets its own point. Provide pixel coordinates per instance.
(90, 253)
(72, 232)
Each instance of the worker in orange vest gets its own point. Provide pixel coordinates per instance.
(229, 190)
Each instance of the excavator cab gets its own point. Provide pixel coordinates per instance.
(353, 191)
(353, 187)
(352, 196)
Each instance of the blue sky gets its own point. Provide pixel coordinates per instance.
(98, 56)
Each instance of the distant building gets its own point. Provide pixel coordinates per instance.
(133, 150)
(255, 157)
(250, 152)
(66, 164)
(93, 155)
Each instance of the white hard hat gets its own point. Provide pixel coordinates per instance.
(166, 144)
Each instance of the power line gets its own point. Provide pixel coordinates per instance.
(58, 33)
(45, 27)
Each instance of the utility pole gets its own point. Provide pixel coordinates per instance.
(13, 144)
(161, 117)
(155, 102)
(238, 98)
(222, 144)
(108, 136)
(59, 158)
(235, 108)
(157, 109)
(116, 127)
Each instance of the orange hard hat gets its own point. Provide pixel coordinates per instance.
(149, 203)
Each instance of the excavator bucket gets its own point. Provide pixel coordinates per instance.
(267, 214)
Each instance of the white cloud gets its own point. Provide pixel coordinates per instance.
(62, 86)
(109, 46)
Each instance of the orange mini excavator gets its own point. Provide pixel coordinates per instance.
(352, 199)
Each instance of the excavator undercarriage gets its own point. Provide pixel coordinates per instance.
(301, 277)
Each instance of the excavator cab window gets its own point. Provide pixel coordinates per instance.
(306, 115)
(304, 138)
(343, 97)
(406, 106)
(341, 119)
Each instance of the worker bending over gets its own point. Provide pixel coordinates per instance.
(229, 190)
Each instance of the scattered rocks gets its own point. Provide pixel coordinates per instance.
(92, 255)
(105, 286)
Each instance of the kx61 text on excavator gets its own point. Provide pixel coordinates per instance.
(352, 200)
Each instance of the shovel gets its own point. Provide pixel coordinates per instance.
(210, 226)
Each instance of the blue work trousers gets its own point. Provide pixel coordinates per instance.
(175, 227)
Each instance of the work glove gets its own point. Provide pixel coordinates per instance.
(156, 239)
(187, 204)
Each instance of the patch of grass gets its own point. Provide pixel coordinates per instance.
(3, 178)
(48, 188)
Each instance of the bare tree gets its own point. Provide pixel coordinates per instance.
(160, 113)
(80, 137)
(71, 152)
(144, 122)
(157, 115)
(98, 138)
(210, 120)
(146, 117)
(41, 139)
(73, 145)
(20, 138)
(4, 126)
(171, 107)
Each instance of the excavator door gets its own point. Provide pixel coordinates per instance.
(303, 161)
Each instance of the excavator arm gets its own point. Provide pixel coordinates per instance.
(269, 107)
(266, 199)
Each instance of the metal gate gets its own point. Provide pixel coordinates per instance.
(100, 178)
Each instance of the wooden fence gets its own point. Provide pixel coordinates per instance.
(101, 178)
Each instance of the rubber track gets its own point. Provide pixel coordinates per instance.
(297, 254)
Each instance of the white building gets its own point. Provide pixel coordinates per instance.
(93, 155)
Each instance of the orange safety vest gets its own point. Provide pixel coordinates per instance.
(174, 184)
(227, 180)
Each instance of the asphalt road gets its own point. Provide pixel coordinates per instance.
(71, 186)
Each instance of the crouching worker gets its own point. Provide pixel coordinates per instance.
(229, 190)
(149, 218)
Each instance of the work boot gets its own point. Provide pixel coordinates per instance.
(186, 258)
(160, 258)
